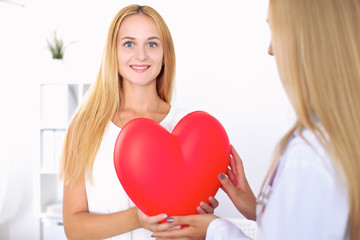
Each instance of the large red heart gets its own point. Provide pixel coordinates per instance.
(171, 173)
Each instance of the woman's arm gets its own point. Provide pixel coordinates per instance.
(201, 226)
(237, 187)
(80, 224)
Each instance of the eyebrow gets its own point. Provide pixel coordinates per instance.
(132, 38)
(154, 37)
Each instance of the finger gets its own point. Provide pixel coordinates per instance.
(150, 219)
(227, 185)
(174, 228)
(179, 233)
(181, 220)
(213, 202)
(201, 210)
(155, 219)
(238, 162)
(222, 187)
(206, 207)
(233, 164)
(231, 177)
(165, 227)
(240, 175)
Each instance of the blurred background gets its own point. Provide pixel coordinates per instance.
(222, 68)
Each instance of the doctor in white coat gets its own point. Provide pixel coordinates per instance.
(312, 190)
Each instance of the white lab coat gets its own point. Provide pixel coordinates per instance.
(308, 199)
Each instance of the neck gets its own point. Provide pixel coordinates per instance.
(140, 99)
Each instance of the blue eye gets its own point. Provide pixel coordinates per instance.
(128, 44)
(152, 45)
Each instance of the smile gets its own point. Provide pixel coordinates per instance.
(142, 67)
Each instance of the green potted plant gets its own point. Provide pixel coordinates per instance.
(56, 47)
(57, 68)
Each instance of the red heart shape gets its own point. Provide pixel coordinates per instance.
(171, 173)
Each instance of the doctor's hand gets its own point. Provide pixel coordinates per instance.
(237, 187)
(196, 227)
(205, 208)
(152, 222)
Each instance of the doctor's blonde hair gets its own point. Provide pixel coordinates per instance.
(87, 127)
(316, 44)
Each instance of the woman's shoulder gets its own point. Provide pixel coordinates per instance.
(306, 143)
(304, 151)
(306, 184)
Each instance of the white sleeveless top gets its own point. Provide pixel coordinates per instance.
(106, 195)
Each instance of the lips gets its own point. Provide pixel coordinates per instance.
(140, 68)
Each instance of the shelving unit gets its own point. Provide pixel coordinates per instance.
(58, 102)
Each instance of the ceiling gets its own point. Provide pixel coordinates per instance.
(19, 3)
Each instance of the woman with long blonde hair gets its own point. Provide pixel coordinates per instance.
(312, 190)
(135, 80)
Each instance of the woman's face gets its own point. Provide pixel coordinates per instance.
(139, 50)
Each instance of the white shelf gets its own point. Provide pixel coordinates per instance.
(51, 190)
(51, 145)
(52, 228)
(44, 171)
(58, 103)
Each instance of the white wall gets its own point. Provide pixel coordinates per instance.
(19, 100)
(222, 68)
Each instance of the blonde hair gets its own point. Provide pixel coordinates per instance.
(316, 44)
(86, 130)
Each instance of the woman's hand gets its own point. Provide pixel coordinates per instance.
(196, 227)
(152, 223)
(237, 187)
(205, 208)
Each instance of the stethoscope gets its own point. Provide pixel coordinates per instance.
(264, 197)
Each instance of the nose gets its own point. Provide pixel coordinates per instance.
(270, 50)
(141, 53)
